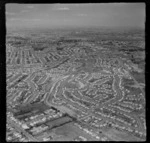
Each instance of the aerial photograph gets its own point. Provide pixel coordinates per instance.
(75, 72)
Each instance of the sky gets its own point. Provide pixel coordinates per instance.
(75, 15)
